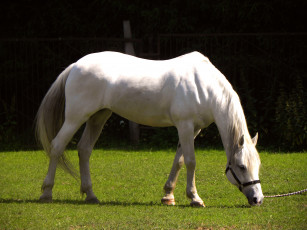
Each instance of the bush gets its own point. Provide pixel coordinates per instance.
(291, 117)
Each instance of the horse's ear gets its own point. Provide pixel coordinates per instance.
(241, 141)
(255, 139)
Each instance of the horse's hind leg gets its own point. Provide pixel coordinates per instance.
(58, 145)
(170, 184)
(89, 137)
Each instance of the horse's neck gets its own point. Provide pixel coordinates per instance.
(231, 122)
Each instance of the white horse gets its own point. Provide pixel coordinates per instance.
(187, 92)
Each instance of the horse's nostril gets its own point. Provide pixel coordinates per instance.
(255, 200)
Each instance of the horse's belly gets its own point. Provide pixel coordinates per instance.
(148, 120)
(143, 114)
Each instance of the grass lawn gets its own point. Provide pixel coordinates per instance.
(129, 185)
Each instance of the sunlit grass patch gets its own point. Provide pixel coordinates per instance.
(129, 185)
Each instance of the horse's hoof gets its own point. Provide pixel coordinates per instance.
(170, 202)
(93, 200)
(45, 199)
(197, 204)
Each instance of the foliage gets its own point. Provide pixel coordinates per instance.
(129, 185)
(291, 115)
(160, 137)
(8, 126)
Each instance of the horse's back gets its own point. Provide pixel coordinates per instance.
(114, 63)
(149, 92)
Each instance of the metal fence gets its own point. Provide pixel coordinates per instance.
(258, 61)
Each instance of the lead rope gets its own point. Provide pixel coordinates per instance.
(288, 194)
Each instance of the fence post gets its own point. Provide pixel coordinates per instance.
(134, 129)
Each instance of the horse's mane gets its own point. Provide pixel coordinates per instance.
(237, 127)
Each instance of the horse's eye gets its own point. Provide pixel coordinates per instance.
(242, 167)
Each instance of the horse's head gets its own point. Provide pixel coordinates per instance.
(243, 170)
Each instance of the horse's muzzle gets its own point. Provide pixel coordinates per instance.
(254, 195)
(255, 201)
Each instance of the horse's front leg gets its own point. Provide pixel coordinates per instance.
(186, 132)
(170, 184)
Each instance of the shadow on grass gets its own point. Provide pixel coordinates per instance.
(109, 203)
(36, 201)
(76, 202)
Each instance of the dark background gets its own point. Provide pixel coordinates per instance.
(103, 18)
(260, 46)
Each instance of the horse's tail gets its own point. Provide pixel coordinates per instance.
(50, 118)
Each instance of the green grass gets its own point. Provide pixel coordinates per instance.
(129, 185)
